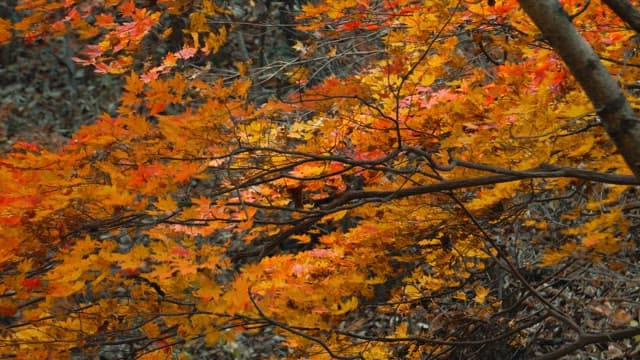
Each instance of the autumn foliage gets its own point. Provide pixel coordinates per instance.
(427, 182)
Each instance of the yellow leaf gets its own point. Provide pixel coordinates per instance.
(198, 22)
(298, 74)
(242, 68)
(213, 42)
(165, 205)
(481, 295)
(209, 7)
(299, 46)
(591, 240)
(460, 295)
(63, 289)
(208, 293)
(302, 238)
(584, 147)
(151, 329)
(212, 337)
(345, 307)
(554, 257)
(412, 292)
(401, 330)
(335, 216)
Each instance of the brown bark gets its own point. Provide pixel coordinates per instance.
(625, 10)
(605, 94)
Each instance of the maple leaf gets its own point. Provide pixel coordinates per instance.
(351, 25)
(8, 310)
(105, 20)
(481, 295)
(133, 84)
(26, 146)
(128, 8)
(31, 284)
(186, 53)
(208, 293)
(166, 205)
(5, 31)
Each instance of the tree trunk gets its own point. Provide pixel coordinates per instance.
(625, 10)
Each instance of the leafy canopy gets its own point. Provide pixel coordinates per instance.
(387, 185)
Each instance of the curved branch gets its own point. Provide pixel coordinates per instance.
(588, 339)
(496, 62)
(298, 332)
(581, 11)
(345, 200)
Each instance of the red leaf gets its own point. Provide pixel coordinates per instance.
(129, 272)
(351, 25)
(180, 251)
(26, 146)
(162, 344)
(186, 53)
(31, 283)
(10, 220)
(128, 8)
(105, 20)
